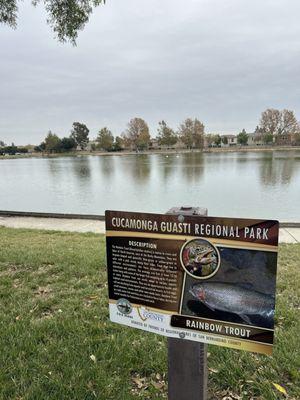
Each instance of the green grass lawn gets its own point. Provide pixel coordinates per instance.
(56, 341)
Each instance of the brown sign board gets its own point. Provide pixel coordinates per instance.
(206, 279)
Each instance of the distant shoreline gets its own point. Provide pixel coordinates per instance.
(232, 149)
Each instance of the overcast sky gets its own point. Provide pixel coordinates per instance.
(222, 61)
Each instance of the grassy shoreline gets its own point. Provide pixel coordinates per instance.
(232, 149)
(57, 342)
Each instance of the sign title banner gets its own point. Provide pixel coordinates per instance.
(205, 279)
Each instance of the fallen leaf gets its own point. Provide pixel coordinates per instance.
(158, 385)
(42, 291)
(215, 371)
(93, 358)
(280, 388)
(139, 382)
(93, 297)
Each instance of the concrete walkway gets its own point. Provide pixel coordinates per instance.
(286, 235)
(56, 224)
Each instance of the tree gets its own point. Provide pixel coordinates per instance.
(66, 18)
(2, 144)
(11, 150)
(209, 139)
(191, 133)
(68, 143)
(242, 138)
(105, 139)
(166, 135)
(52, 143)
(258, 134)
(276, 122)
(267, 138)
(224, 140)
(41, 147)
(289, 123)
(23, 150)
(217, 140)
(257, 131)
(80, 133)
(118, 144)
(137, 134)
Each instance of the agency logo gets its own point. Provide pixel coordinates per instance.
(124, 306)
(145, 314)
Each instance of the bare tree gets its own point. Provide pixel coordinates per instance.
(191, 133)
(137, 134)
(289, 123)
(209, 139)
(276, 122)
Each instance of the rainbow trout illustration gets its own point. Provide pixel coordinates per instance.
(235, 299)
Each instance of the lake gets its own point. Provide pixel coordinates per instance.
(240, 184)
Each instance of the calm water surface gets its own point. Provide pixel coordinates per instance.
(252, 184)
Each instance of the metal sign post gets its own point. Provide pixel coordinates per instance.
(187, 360)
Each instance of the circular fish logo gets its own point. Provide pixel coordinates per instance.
(200, 258)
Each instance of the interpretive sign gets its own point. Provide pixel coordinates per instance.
(205, 279)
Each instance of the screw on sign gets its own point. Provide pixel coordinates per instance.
(187, 361)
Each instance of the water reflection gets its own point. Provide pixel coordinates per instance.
(81, 167)
(54, 166)
(168, 165)
(276, 170)
(244, 160)
(107, 165)
(288, 169)
(192, 166)
(138, 167)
